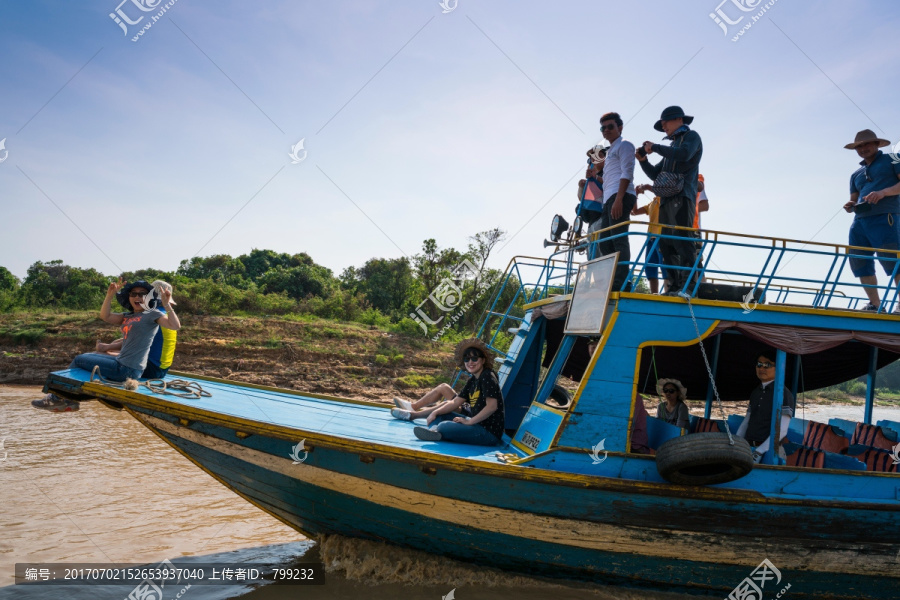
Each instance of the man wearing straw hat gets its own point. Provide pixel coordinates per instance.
(874, 189)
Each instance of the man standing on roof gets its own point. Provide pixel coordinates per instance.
(758, 421)
(682, 157)
(874, 190)
(618, 194)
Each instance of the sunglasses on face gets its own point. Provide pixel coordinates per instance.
(669, 390)
(137, 294)
(608, 126)
(471, 358)
(764, 365)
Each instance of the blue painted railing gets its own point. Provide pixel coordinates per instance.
(820, 277)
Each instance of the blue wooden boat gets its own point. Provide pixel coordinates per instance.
(566, 496)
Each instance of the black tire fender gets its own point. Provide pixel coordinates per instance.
(704, 459)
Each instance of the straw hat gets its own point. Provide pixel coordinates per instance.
(865, 136)
(473, 343)
(661, 383)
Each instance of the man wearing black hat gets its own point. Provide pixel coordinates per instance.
(874, 190)
(682, 158)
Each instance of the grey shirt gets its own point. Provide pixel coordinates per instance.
(139, 330)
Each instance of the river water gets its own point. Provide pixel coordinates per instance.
(95, 486)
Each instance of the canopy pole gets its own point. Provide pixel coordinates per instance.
(771, 457)
(715, 369)
(870, 383)
(795, 380)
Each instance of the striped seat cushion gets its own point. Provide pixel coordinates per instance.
(704, 425)
(878, 460)
(822, 436)
(807, 457)
(871, 435)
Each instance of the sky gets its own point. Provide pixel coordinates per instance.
(418, 120)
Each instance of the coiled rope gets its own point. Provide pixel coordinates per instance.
(189, 390)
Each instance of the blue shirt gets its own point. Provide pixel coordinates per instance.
(882, 173)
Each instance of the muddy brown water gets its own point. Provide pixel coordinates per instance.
(95, 486)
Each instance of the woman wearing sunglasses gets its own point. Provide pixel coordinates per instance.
(475, 415)
(672, 409)
(139, 325)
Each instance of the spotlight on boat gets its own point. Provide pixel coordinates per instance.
(557, 228)
(576, 226)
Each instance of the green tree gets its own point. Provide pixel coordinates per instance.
(58, 284)
(8, 281)
(389, 285)
(434, 264)
(298, 281)
(219, 267)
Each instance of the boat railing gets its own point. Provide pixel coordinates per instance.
(801, 272)
(777, 271)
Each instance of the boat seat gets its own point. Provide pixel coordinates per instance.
(807, 457)
(848, 427)
(872, 436)
(658, 431)
(797, 430)
(735, 422)
(894, 426)
(703, 425)
(822, 436)
(879, 460)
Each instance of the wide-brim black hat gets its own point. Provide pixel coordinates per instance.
(473, 343)
(672, 112)
(123, 294)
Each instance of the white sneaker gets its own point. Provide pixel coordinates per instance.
(404, 404)
(403, 415)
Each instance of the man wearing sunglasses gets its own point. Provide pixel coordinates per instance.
(618, 194)
(874, 189)
(758, 421)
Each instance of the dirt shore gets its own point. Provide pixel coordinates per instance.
(311, 355)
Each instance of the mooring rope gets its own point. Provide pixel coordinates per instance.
(190, 390)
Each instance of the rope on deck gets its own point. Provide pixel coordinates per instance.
(189, 390)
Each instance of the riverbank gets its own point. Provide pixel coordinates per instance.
(302, 353)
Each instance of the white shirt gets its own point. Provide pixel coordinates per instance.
(619, 165)
(700, 198)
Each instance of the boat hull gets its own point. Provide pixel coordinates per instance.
(609, 534)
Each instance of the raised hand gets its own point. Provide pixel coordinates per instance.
(115, 286)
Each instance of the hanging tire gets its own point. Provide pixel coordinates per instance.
(560, 396)
(704, 459)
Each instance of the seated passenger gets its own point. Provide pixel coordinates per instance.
(138, 325)
(755, 428)
(640, 443)
(481, 418)
(162, 350)
(672, 409)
